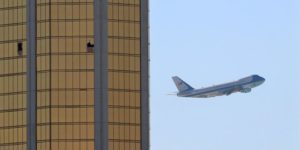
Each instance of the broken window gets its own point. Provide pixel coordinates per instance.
(90, 47)
(20, 48)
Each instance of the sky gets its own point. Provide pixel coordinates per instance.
(207, 42)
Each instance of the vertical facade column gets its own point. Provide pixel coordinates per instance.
(101, 74)
(145, 121)
(31, 74)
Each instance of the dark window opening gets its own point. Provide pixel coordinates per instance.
(20, 48)
(90, 47)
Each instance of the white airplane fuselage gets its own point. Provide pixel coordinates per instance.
(243, 85)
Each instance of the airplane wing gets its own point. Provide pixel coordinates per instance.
(228, 92)
(232, 90)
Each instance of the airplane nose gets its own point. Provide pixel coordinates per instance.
(262, 79)
(259, 78)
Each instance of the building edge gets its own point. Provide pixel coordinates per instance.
(31, 74)
(101, 74)
(145, 107)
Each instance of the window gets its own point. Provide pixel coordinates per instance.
(90, 47)
(20, 48)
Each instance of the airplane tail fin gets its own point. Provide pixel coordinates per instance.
(181, 85)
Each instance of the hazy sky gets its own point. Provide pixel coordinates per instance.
(207, 42)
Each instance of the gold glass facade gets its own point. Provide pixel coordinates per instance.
(13, 75)
(124, 75)
(65, 75)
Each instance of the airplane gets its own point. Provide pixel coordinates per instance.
(243, 85)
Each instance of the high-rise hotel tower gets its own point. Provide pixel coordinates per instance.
(74, 75)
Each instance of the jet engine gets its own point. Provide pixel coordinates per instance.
(247, 90)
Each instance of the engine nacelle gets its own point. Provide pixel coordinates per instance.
(247, 90)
